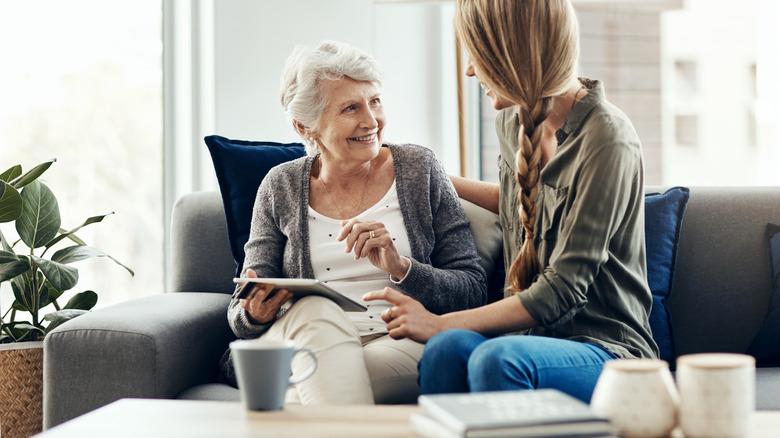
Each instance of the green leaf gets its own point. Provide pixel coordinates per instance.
(64, 234)
(83, 301)
(22, 288)
(11, 265)
(10, 174)
(23, 331)
(61, 316)
(64, 315)
(11, 203)
(50, 294)
(74, 238)
(77, 253)
(40, 220)
(62, 277)
(5, 245)
(33, 174)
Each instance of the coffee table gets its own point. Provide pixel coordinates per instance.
(192, 419)
(209, 419)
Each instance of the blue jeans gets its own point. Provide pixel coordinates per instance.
(462, 361)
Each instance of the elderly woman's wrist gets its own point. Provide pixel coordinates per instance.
(398, 274)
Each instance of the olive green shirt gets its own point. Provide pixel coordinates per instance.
(589, 232)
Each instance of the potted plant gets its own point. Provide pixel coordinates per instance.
(38, 267)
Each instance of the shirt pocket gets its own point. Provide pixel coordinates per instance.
(553, 212)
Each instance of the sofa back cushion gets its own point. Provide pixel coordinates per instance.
(663, 222)
(766, 345)
(240, 167)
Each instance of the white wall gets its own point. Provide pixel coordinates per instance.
(252, 41)
(415, 43)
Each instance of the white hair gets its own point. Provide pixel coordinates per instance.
(306, 68)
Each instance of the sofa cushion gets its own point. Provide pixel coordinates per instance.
(766, 345)
(663, 221)
(240, 167)
(486, 230)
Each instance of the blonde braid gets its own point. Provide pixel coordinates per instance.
(529, 165)
(526, 51)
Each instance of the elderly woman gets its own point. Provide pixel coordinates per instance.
(360, 215)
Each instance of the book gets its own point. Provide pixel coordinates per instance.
(539, 413)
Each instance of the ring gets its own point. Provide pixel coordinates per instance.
(371, 234)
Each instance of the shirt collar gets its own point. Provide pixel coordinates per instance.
(577, 116)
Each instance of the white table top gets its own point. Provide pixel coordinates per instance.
(192, 419)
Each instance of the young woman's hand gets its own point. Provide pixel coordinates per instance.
(258, 310)
(407, 318)
(371, 240)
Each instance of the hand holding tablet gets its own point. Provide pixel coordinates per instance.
(299, 287)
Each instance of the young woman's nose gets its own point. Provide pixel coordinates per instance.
(469, 71)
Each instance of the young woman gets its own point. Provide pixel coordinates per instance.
(571, 204)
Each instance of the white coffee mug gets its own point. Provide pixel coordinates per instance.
(263, 370)
(637, 396)
(717, 394)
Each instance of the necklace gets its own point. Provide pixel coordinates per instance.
(362, 195)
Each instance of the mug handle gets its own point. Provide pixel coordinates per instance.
(309, 371)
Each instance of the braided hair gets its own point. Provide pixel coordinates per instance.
(527, 51)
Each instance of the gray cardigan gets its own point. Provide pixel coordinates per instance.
(445, 274)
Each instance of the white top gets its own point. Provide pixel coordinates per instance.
(353, 278)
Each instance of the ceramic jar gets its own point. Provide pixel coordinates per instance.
(638, 397)
(717, 394)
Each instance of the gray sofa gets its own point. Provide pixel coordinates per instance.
(168, 345)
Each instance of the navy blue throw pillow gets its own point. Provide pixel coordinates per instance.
(766, 345)
(663, 221)
(241, 166)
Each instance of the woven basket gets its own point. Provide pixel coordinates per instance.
(21, 389)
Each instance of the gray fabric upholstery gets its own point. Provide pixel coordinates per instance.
(168, 345)
(200, 253)
(722, 282)
(768, 389)
(211, 391)
(151, 347)
(486, 231)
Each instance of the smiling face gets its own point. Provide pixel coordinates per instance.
(352, 123)
(499, 102)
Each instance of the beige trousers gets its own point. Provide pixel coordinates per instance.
(350, 370)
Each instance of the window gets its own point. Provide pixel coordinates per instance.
(685, 79)
(686, 129)
(83, 84)
(696, 77)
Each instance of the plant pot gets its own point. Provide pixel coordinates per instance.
(21, 389)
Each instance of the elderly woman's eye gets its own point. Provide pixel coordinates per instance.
(376, 101)
(350, 108)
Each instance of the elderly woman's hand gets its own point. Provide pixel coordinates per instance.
(260, 311)
(371, 240)
(408, 318)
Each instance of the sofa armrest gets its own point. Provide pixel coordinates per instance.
(151, 347)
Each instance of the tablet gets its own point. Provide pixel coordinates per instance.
(300, 287)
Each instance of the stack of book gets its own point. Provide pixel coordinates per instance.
(540, 413)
